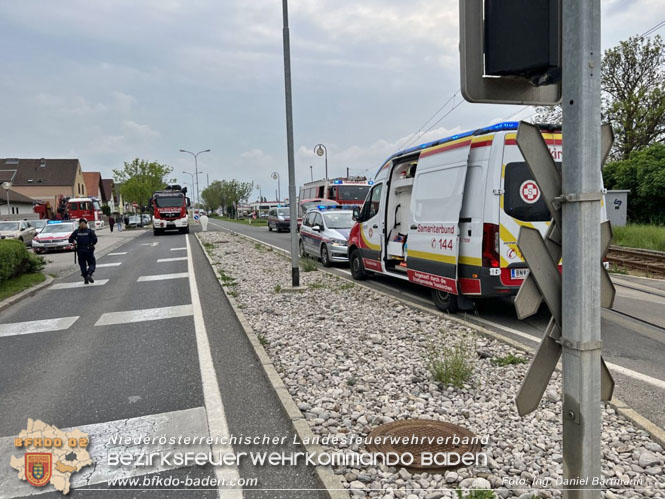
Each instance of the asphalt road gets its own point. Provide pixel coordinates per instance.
(633, 333)
(151, 348)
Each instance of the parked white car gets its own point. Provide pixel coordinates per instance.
(17, 229)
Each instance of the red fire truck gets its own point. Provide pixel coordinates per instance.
(72, 209)
(169, 210)
(345, 191)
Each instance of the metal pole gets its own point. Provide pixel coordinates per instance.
(295, 269)
(196, 171)
(581, 334)
(311, 173)
(8, 202)
(347, 172)
(326, 149)
(279, 192)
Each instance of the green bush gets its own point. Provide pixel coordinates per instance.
(449, 365)
(15, 259)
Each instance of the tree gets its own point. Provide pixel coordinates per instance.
(213, 195)
(644, 174)
(633, 85)
(140, 178)
(633, 95)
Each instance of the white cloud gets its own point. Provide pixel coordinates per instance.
(137, 131)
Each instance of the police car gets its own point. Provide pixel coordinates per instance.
(324, 234)
(54, 236)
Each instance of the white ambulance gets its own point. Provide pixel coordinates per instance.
(447, 215)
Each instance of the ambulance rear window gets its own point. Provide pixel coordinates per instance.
(522, 198)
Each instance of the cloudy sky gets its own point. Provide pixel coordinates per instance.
(110, 80)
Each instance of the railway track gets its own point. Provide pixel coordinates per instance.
(652, 262)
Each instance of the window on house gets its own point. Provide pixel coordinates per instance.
(11, 161)
(30, 181)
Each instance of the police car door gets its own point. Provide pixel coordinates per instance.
(436, 202)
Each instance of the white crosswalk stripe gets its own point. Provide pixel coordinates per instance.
(176, 259)
(186, 423)
(114, 264)
(117, 254)
(146, 314)
(41, 326)
(162, 277)
(179, 249)
(78, 284)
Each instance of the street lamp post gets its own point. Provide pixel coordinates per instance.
(311, 173)
(192, 183)
(295, 261)
(320, 150)
(275, 176)
(196, 170)
(6, 186)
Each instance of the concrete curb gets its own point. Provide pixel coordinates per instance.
(656, 432)
(327, 477)
(8, 302)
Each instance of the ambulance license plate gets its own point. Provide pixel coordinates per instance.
(519, 273)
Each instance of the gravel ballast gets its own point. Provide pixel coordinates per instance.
(353, 359)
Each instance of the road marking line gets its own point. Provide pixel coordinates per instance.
(211, 394)
(114, 264)
(179, 249)
(117, 253)
(162, 277)
(42, 326)
(176, 259)
(510, 330)
(77, 284)
(150, 244)
(146, 314)
(184, 423)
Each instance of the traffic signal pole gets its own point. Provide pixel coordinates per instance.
(581, 250)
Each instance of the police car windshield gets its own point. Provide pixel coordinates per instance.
(51, 228)
(8, 225)
(169, 202)
(339, 219)
(352, 192)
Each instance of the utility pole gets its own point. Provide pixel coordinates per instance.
(581, 179)
(347, 172)
(311, 173)
(295, 268)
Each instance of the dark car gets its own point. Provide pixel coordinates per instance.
(279, 219)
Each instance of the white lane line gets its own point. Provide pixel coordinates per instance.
(114, 264)
(146, 314)
(81, 284)
(162, 277)
(176, 259)
(42, 326)
(117, 254)
(150, 244)
(185, 423)
(638, 376)
(613, 367)
(211, 394)
(179, 249)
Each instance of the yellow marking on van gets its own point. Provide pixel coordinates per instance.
(471, 260)
(374, 247)
(434, 257)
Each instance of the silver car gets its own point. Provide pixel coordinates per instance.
(19, 229)
(324, 234)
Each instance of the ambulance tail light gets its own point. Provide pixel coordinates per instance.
(491, 246)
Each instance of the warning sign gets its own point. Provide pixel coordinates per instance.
(529, 192)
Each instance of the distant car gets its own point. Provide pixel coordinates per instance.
(279, 219)
(324, 234)
(38, 225)
(133, 221)
(54, 236)
(146, 219)
(19, 229)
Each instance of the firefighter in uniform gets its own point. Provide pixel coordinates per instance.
(85, 240)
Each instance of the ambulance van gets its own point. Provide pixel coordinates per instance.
(447, 215)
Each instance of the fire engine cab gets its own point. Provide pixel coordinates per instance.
(169, 210)
(447, 215)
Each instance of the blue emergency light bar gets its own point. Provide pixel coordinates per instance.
(56, 221)
(338, 182)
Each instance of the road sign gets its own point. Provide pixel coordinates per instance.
(475, 85)
(543, 255)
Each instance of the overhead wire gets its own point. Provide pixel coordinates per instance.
(653, 29)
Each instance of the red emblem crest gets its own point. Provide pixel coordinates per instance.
(38, 468)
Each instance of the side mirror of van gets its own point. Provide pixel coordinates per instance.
(356, 213)
(189, 203)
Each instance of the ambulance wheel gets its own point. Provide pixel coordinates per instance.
(445, 302)
(358, 271)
